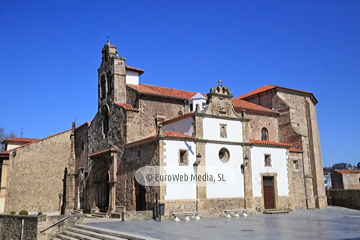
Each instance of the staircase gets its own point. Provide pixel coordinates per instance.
(96, 215)
(91, 233)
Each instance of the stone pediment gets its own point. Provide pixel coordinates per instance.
(219, 102)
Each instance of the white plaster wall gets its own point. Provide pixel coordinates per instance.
(12, 146)
(132, 77)
(234, 190)
(183, 190)
(278, 165)
(183, 126)
(198, 101)
(211, 128)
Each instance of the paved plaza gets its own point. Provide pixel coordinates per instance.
(330, 223)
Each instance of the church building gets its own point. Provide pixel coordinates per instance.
(266, 141)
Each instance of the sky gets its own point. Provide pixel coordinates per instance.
(50, 51)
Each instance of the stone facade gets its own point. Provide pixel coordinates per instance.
(101, 157)
(35, 173)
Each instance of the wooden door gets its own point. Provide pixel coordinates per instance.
(269, 195)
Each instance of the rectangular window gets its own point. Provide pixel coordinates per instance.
(296, 165)
(183, 157)
(267, 160)
(223, 130)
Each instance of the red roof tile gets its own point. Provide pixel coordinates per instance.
(261, 142)
(107, 150)
(248, 105)
(127, 107)
(24, 140)
(169, 134)
(186, 115)
(172, 134)
(348, 171)
(162, 91)
(140, 71)
(256, 91)
(294, 150)
(267, 88)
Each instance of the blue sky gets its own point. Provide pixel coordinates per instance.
(50, 52)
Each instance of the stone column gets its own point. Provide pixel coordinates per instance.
(71, 175)
(248, 187)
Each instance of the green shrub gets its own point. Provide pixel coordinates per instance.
(42, 215)
(39, 213)
(12, 213)
(23, 212)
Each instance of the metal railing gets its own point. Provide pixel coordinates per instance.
(52, 225)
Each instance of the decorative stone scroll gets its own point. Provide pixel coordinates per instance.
(219, 102)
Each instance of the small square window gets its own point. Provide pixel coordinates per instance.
(359, 180)
(267, 160)
(183, 157)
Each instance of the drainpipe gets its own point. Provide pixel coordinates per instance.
(306, 195)
(22, 229)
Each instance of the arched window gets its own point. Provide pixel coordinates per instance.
(109, 82)
(264, 134)
(105, 120)
(103, 87)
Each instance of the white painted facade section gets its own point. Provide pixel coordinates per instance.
(10, 146)
(234, 190)
(183, 126)
(183, 190)
(132, 77)
(278, 165)
(198, 98)
(211, 128)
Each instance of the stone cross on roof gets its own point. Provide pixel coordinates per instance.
(220, 83)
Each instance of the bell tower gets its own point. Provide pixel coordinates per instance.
(111, 77)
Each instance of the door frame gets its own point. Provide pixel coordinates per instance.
(276, 198)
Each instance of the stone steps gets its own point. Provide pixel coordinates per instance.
(86, 233)
(96, 215)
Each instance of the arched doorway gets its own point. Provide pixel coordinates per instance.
(102, 188)
(140, 194)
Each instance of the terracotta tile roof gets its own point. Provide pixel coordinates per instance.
(140, 71)
(162, 91)
(348, 171)
(127, 107)
(267, 88)
(172, 134)
(4, 155)
(248, 105)
(142, 139)
(17, 139)
(261, 142)
(167, 135)
(292, 149)
(107, 150)
(186, 115)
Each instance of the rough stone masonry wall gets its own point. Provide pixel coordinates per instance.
(298, 188)
(10, 227)
(257, 122)
(97, 143)
(346, 198)
(35, 174)
(126, 197)
(150, 105)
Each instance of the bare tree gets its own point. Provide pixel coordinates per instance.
(5, 135)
